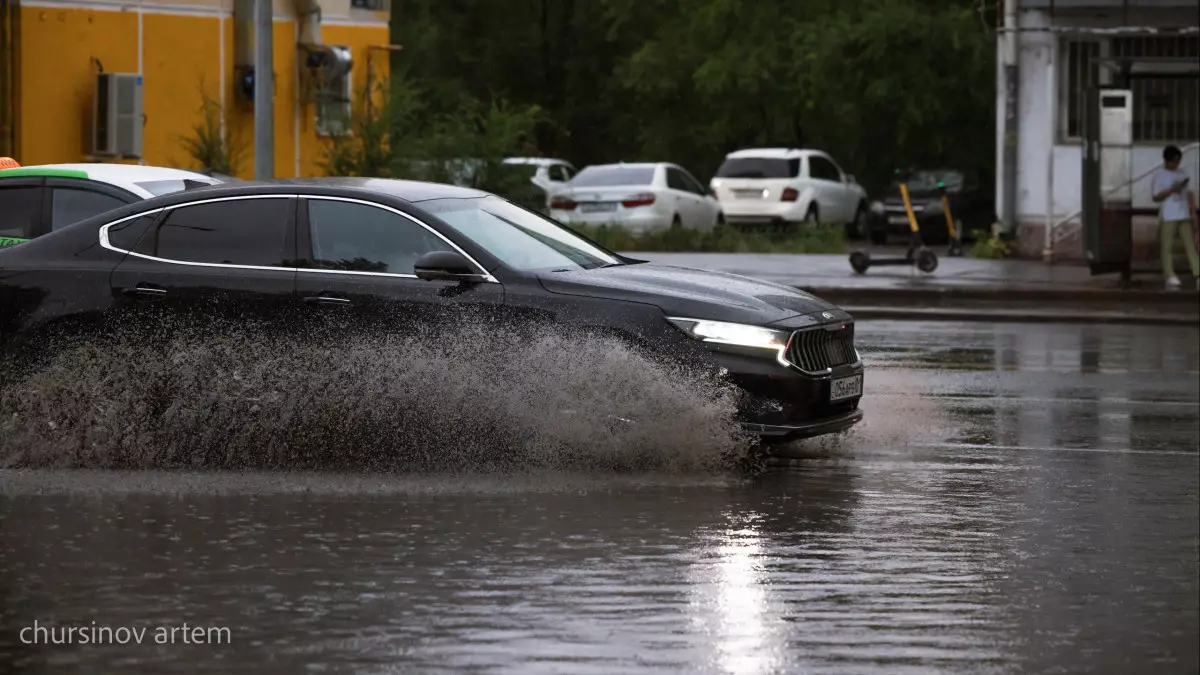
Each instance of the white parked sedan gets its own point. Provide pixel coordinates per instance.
(764, 186)
(646, 197)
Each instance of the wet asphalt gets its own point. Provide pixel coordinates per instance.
(1020, 499)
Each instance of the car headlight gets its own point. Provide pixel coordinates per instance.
(739, 334)
(877, 208)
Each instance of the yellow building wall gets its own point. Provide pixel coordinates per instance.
(181, 56)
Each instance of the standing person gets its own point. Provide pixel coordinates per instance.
(1178, 210)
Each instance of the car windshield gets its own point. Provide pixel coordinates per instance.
(159, 188)
(927, 180)
(521, 239)
(759, 167)
(601, 176)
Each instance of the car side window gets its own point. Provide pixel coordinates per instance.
(71, 205)
(124, 235)
(559, 173)
(362, 238)
(567, 172)
(693, 185)
(676, 180)
(20, 207)
(232, 232)
(822, 169)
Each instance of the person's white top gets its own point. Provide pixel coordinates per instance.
(1174, 207)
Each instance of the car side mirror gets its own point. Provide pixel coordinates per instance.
(446, 266)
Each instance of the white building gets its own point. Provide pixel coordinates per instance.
(1061, 46)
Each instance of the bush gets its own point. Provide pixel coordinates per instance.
(217, 142)
(989, 247)
(722, 239)
(404, 129)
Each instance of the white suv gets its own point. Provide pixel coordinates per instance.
(764, 186)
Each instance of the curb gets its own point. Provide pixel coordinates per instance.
(1074, 296)
(1021, 316)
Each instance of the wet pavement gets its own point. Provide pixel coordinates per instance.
(1020, 499)
(827, 273)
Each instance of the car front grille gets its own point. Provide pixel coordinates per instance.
(817, 349)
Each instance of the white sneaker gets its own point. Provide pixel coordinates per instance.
(1173, 282)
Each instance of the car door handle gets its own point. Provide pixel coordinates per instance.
(145, 291)
(325, 300)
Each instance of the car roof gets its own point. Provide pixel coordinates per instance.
(769, 153)
(536, 161)
(404, 190)
(629, 165)
(125, 176)
(408, 190)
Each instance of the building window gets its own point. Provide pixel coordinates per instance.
(1162, 76)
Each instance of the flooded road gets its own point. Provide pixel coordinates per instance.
(1021, 499)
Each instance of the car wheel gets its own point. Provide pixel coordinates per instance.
(857, 228)
(812, 217)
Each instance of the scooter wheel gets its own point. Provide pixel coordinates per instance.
(927, 260)
(860, 261)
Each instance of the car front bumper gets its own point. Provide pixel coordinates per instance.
(780, 403)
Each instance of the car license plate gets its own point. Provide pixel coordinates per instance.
(598, 207)
(898, 220)
(846, 387)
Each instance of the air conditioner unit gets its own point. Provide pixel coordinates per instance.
(117, 116)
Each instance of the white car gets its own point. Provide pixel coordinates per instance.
(764, 186)
(547, 173)
(644, 197)
(36, 200)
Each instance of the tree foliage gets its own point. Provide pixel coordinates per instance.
(877, 83)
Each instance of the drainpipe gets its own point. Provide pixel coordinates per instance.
(8, 99)
(264, 109)
(1052, 118)
(1009, 198)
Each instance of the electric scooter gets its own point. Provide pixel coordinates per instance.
(917, 254)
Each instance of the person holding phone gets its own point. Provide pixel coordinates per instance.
(1176, 214)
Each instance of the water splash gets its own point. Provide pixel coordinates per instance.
(469, 400)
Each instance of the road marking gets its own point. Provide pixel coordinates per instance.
(1029, 448)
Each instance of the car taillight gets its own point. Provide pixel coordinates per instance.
(790, 195)
(640, 199)
(562, 204)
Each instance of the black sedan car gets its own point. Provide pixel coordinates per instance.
(971, 206)
(404, 253)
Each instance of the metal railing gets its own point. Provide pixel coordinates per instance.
(1056, 228)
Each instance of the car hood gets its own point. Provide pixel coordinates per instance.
(687, 292)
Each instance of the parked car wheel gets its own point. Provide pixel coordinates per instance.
(857, 228)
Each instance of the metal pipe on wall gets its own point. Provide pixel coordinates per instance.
(264, 110)
(1011, 74)
(8, 101)
(1052, 116)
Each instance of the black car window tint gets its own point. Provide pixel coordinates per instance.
(19, 210)
(70, 205)
(361, 238)
(676, 181)
(822, 169)
(233, 232)
(124, 235)
(692, 184)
